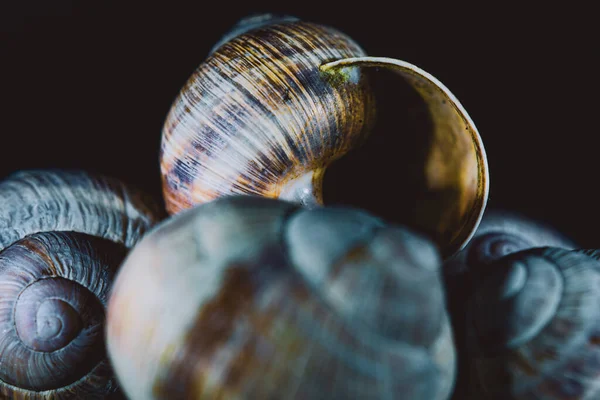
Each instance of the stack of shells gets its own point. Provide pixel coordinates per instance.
(253, 289)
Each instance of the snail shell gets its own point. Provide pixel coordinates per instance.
(501, 233)
(279, 99)
(534, 327)
(62, 236)
(249, 297)
(258, 117)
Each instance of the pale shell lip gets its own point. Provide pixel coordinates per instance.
(483, 173)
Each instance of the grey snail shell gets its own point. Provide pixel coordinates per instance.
(534, 327)
(279, 99)
(500, 234)
(62, 236)
(249, 297)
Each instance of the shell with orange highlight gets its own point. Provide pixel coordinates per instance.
(259, 114)
(279, 99)
(255, 298)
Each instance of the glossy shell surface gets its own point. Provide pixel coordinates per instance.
(259, 113)
(249, 297)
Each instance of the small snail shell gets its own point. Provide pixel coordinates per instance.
(280, 99)
(255, 298)
(534, 327)
(62, 236)
(501, 233)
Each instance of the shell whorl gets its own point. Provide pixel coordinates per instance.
(52, 316)
(62, 236)
(499, 234)
(258, 114)
(281, 302)
(45, 201)
(534, 327)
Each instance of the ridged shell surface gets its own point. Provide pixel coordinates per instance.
(56, 200)
(534, 327)
(501, 233)
(54, 288)
(63, 234)
(258, 113)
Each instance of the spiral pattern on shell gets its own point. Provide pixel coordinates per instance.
(62, 236)
(249, 297)
(499, 234)
(534, 327)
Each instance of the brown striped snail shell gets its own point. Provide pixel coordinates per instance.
(534, 327)
(279, 99)
(256, 298)
(62, 236)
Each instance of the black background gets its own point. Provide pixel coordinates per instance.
(88, 85)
